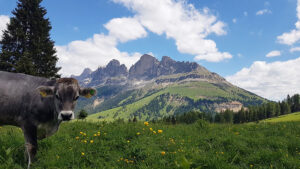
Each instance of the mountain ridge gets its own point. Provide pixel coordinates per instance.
(145, 69)
(153, 89)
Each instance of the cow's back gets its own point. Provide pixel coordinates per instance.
(16, 93)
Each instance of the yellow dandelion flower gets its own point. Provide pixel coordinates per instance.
(163, 153)
(146, 123)
(82, 153)
(222, 152)
(159, 131)
(98, 134)
(138, 133)
(81, 132)
(77, 138)
(95, 135)
(92, 141)
(154, 132)
(128, 141)
(251, 165)
(150, 129)
(84, 134)
(84, 141)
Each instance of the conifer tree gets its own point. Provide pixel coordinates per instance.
(26, 46)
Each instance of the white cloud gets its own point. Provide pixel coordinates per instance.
(295, 49)
(271, 80)
(245, 13)
(289, 38)
(100, 49)
(125, 29)
(234, 20)
(180, 21)
(3, 21)
(94, 52)
(273, 53)
(263, 11)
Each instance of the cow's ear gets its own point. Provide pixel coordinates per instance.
(46, 90)
(87, 92)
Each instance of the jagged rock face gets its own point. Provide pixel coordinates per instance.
(85, 74)
(146, 68)
(149, 67)
(85, 77)
(114, 69)
(169, 66)
(106, 75)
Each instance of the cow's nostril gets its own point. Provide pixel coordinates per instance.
(66, 117)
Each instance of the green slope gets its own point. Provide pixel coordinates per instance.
(174, 99)
(123, 111)
(285, 118)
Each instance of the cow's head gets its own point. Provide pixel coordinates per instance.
(65, 93)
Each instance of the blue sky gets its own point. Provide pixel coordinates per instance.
(253, 43)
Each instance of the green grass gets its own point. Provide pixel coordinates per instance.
(123, 112)
(285, 118)
(201, 145)
(196, 90)
(193, 90)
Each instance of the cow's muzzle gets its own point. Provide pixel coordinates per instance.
(66, 115)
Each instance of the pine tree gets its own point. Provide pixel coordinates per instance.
(26, 46)
(228, 116)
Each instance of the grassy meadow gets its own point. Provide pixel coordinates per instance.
(82, 144)
(285, 118)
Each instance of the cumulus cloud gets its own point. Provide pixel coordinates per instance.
(100, 49)
(289, 38)
(273, 53)
(263, 11)
(270, 80)
(182, 22)
(3, 21)
(295, 49)
(94, 52)
(125, 29)
(178, 20)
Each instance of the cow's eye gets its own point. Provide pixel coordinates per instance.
(76, 97)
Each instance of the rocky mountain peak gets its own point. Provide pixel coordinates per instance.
(114, 68)
(85, 74)
(86, 71)
(166, 60)
(113, 63)
(145, 68)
